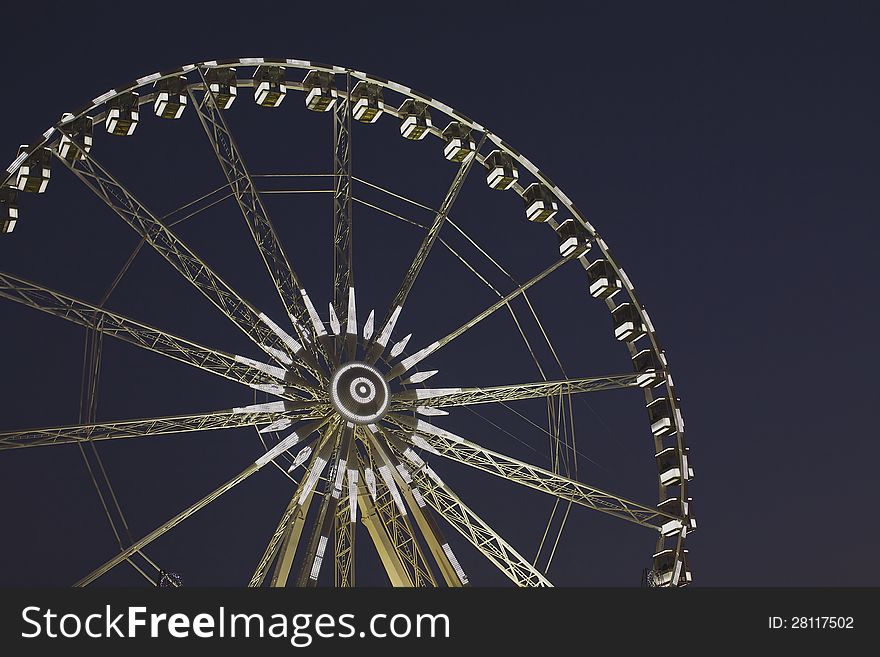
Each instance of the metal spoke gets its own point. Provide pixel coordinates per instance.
(180, 256)
(406, 364)
(343, 275)
(202, 503)
(443, 397)
(235, 368)
(456, 448)
(117, 430)
(345, 527)
(286, 536)
(254, 212)
(310, 566)
(392, 519)
(421, 256)
(440, 549)
(449, 506)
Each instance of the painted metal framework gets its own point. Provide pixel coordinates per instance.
(380, 471)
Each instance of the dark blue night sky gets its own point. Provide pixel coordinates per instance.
(728, 155)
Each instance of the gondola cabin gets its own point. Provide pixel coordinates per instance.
(223, 85)
(270, 87)
(670, 466)
(415, 119)
(673, 507)
(34, 173)
(460, 146)
(320, 92)
(604, 282)
(661, 417)
(572, 237)
(122, 114)
(502, 171)
(628, 325)
(8, 209)
(367, 102)
(79, 142)
(646, 366)
(664, 568)
(170, 99)
(541, 205)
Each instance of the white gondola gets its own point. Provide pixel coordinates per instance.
(269, 86)
(34, 173)
(647, 368)
(415, 119)
(628, 324)
(222, 83)
(460, 146)
(572, 236)
(660, 415)
(673, 507)
(604, 283)
(122, 114)
(79, 142)
(502, 170)
(321, 94)
(541, 205)
(170, 99)
(670, 466)
(8, 209)
(367, 102)
(664, 568)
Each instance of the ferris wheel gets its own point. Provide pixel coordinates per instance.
(345, 407)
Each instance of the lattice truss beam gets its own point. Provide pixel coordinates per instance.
(193, 269)
(241, 182)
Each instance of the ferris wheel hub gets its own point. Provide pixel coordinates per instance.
(359, 393)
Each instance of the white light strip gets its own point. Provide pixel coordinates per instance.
(340, 475)
(250, 61)
(385, 335)
(370, 481)
(353, 493)
(300, 458)
(407, 477)
(334, 320)
(454, 561)
(286, 338)
(277, 425)
(268, 407)
(417, 495)
(17, 162)
(149, 78)
(423, 426)
(388, 478)
(319, 558)
(429, 393)
(418, 377)
(419, 356)
(312, 479)
(369, 325)
(277, 354)
(398, 348)
(276, 451)
(100, 99)
(352, 327)
(410, 455)
(429, 411)
(271, 370)
(419, 441)
(313, 315)
(270, 388)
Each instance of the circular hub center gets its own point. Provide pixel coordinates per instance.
(359, 393)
